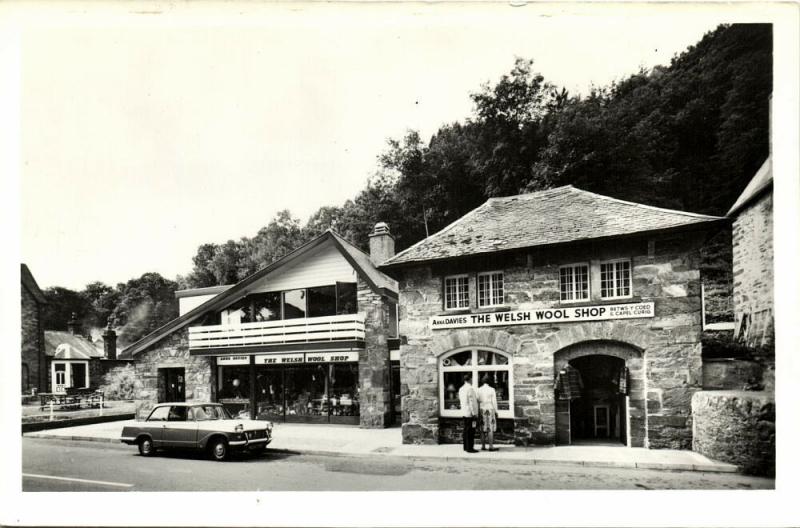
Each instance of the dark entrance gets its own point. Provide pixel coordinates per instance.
(171, 385)
(600, 414)
(394, 390)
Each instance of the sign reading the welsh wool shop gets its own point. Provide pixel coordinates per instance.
(577, 314)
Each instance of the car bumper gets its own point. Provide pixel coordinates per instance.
(249, 444)
(130, 440)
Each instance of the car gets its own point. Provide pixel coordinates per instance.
(204, 426)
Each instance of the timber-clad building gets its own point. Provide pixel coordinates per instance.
(306, 339)
(584, 311)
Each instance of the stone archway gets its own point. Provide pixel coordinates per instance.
(634, 404)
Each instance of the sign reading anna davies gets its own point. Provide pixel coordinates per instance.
(546, 315)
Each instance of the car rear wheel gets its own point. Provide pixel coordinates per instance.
(146, 447)
(218, 449)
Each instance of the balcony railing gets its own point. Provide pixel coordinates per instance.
(290, 331)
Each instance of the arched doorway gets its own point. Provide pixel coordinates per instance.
(599, 394)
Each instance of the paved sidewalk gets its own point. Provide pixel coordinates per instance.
(341, 440)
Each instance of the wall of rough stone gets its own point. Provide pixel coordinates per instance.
(731, 374)
(753, 284)
(173, 351)
(737, 427)
(665, 271)
(32, 341)
(373, 362)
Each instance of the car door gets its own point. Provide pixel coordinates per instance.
(154, 425)
(179, 430)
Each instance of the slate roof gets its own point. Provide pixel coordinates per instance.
(760, 182)
(64, 345)
(377, 281)
(544, 218)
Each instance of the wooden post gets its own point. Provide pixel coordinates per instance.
(252, 387)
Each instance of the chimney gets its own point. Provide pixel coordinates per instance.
(73, 326)
(381, 244)
(110, 341)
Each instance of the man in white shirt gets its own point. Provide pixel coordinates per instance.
(487, 402)
(469, 410)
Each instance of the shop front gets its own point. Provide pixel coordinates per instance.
(302, 387)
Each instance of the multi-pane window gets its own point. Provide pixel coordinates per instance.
(456, 292)
(574, 280)
(490, 289)
(492, 366)
(615, 279)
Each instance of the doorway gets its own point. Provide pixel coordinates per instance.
(171, 385)
(599, 416)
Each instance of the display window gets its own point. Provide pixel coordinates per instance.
(494, 365)
(320, 393)
(233, 389)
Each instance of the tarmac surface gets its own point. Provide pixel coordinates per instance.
(350, 441)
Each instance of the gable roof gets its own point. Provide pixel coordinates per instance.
(360, 261)
(760, 182)
(554, 216)
(30, 284)
(64, 345)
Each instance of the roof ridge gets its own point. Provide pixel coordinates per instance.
(439, 232)
(651, 207)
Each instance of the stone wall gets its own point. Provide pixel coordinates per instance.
(731, 374)
(736, 427)
(32, 344)
(665, 271)
(173, 351)
(373, 362)
(753, 285)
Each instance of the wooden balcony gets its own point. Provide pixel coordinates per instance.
(291, 333)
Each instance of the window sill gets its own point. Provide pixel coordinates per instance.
(494, 309)
(599, 302)
(456, 311)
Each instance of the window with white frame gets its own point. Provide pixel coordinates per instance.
(615, 279)
(477, 363)
(490, 289)
(456, 292)
(69, 374)
(574, 282)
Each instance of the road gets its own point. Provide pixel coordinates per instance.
(58, 465)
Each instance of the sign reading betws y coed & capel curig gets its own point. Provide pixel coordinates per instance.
(547, 315)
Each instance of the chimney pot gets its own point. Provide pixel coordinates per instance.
(381, 244)
(110, 341)
(72, 324)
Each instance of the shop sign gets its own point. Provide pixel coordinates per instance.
(577, 314)
(233, 360)
(280, 359)
(331, 357)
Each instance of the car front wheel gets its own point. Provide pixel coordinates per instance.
(146, 447)
(219, 449)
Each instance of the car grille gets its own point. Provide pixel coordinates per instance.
(256, 434)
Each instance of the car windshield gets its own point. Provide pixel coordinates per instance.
(209, 412)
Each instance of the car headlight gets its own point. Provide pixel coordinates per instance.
(239, 428)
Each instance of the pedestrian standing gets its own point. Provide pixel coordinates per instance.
(487, 404)
(469, 408)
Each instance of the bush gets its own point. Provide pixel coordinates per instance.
(121, 384)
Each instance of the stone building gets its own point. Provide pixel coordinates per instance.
(753, 264)
(75, 361)
(33, 365)
(584, 312)
(306, 339)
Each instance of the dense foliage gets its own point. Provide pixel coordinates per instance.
(688, 136)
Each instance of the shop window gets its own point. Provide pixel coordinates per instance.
(294, 304)
(321, 301)
(233, 388)
(615, 279)
(490, 289)
(456, 292)
(346, 298)
(494, 365)
(344, 389)
(574, 282)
